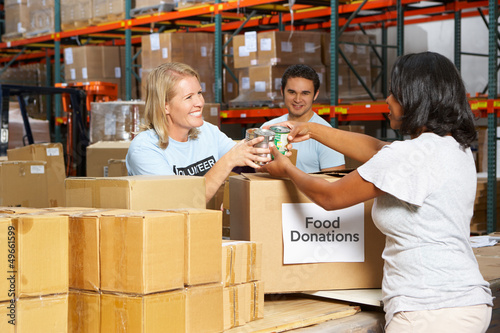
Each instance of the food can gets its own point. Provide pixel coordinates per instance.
(250, 134)
(268, 135)
(280, 137)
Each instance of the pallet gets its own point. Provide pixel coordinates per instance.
(107, 18)
(287, 312)
(42, 32)
(12, 36)
(78, 24)
(161, 8)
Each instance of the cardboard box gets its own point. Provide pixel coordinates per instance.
(162, 312)
(117, 168)
(241, 261)
(115, 121)
(99, 153)
(53, 154)
(228, 306)
(8, 265)
(7, 325)
(242, 307)
(245, 50)
(84, 311)
(42, 314)
(142, 253)
(189, 48)
(84, 254)
(80, 191)
(137, 192)
(91, 61)
(204, 308)
(257, 300)
(41, 255)
(257, 201)
(289, 48)
(17, 19)
(211, 113)
(24, 183)
(202, 246)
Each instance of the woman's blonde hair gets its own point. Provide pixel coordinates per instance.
(160, 89)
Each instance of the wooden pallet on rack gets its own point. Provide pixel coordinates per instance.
(161, 8)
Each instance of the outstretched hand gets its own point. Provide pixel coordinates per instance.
(299, 131)
(278, 167)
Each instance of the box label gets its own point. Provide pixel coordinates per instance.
(154, 40)
(286, 47)
(52, 151)
(37, 169)
(251, 41)
(68, 56)
(314, 235)
(265, 44)
(310, 47)
(260, 86)
(164, 53)
(243, 51)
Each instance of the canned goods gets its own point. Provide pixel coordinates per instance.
(280, 137)
(268, 135)
(250, 134)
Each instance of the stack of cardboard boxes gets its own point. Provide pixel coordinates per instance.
(28, 18)
(243, 288)
(97, 63)
(194, 49)
(260, 60)
(34, 296)
(84, 270)
(34, 176)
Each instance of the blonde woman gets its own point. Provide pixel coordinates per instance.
(176, 140)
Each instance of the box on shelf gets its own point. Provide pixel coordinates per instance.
(41, 254)
(263, 83)
(142, 253)
(84, 311)
(24, 184)
(17, 19)
(115, 121)
(245, 50)
(99, 153)
(211, 113)
(160, 312)
(91, 61)
(194, 49)
(42, 314)
(288, 48)
(137, 192)
(41, 18)
(53, 154)
(254, 218)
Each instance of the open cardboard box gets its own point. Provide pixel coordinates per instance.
(256, 203)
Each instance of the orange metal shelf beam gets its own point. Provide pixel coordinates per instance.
(360, 111)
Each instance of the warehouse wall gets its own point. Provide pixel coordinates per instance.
(439, 37)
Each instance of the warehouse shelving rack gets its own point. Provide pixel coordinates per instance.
(242, 15)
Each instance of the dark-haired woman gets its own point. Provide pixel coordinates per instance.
(424, 190)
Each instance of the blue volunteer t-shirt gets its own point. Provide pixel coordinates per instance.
(191, 158)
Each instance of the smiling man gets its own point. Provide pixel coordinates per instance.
(300, 88)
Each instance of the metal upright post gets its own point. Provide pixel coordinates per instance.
(57, 67)
(491, 209)
(128, 52)
(334, 57)
(218, 53)
(400, 29)
(48, 98)
(458, 40)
